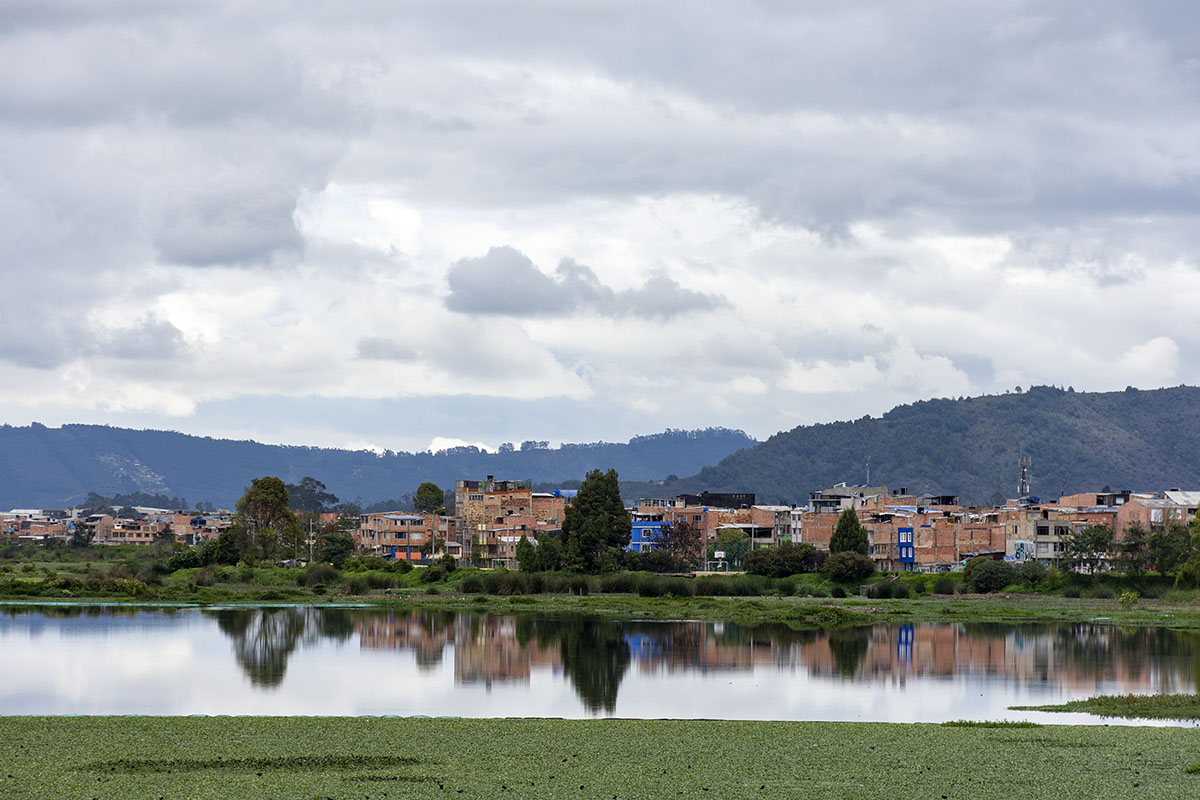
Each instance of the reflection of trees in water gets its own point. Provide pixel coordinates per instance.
(437, 627)
(848, 646)
(595, 658)
(595, 654)
(265, 638)
(1106, 650)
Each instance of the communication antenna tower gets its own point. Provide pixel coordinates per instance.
(1023, 485)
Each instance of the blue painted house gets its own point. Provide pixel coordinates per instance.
(904, 548)
(647, 528)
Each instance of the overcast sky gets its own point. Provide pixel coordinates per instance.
(394, 224)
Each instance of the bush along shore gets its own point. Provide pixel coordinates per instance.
(134, 575)
(237, 757)
(1131, 706)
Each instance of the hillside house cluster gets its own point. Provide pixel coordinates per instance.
(490, 518)
(50, 524)
(906, 531)
(933, 533)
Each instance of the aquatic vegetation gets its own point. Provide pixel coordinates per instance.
(339, 757)
(1131, 706)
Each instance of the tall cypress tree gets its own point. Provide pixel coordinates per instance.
(596, 526)
(849, 535)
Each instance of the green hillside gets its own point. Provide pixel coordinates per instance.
(41, 466)
(1078, 441)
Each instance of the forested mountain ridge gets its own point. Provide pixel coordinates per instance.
(1078, 441)
(41, 466)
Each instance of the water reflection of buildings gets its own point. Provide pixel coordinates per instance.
(594, 655)
(1077, 657)
(487, 650)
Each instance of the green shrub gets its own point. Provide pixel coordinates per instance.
(318, 588)
(185, 559)
(917, 583)
(377, 581)
(837, 591)
(889, 588)
(982, 575)
(1054, 578)
(129, 586)
(356, 586)
(1128, 599)
(945, 584)
(205, 576)
(148, 572)
(784, 560)
(651, 587)
(1188, 576)
(715, 586)
(581, 585)
(432, 590)
(432, 574)
(848, 566)
(364, 563)
(447, 563)
(472, 584)
(505, 583)
(315, 574)
(656, 561)
(1031, 573)
(618, 583)
(1071, 592)
(1099, 592)
(680, 587)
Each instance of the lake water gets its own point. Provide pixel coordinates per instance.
(349, 661)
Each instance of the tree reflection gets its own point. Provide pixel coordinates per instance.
(595, 657)
(848, 646)
(264, 639)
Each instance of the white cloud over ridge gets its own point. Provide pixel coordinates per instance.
(620, 221)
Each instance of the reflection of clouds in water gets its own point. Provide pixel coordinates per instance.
(355, 661)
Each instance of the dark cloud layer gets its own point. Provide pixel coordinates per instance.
(505, 282)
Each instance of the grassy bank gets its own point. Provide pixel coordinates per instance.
(1132, 706)
(147, 757)
(799, 612)
(830, 612)
(134, 575)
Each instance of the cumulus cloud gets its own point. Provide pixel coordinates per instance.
(378, 348)
(506, 282)
(28, 340)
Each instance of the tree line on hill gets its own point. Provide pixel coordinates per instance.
(56, 467)
(1078, 441)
